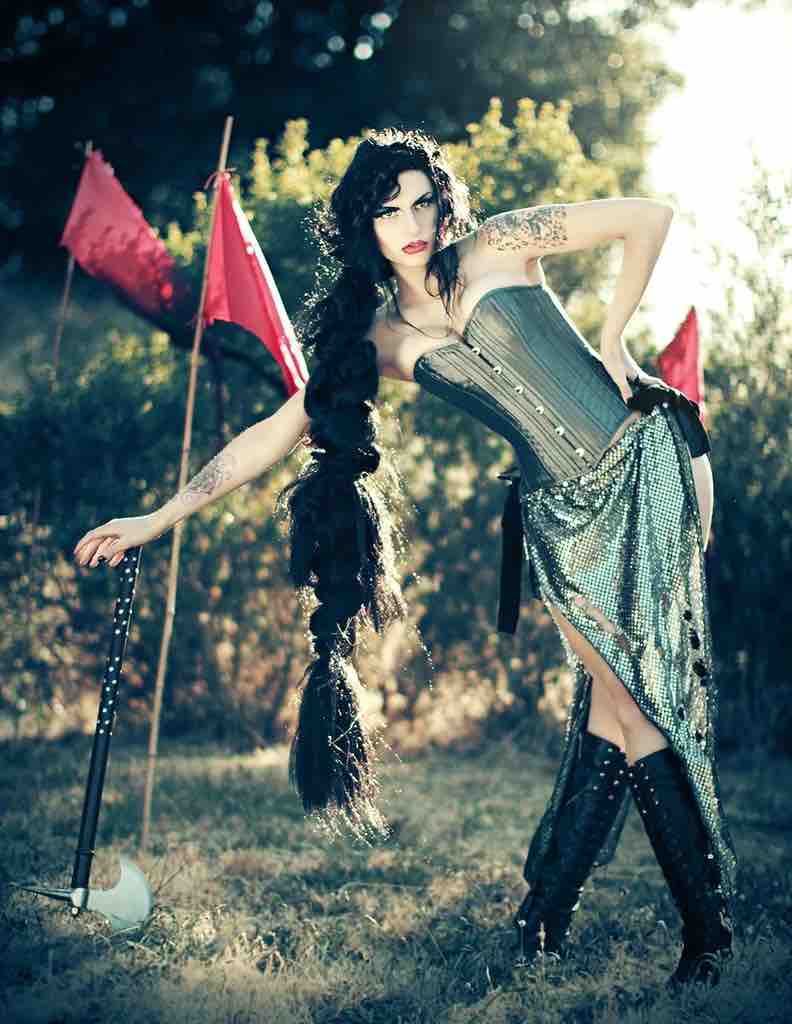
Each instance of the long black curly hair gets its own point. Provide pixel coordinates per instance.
(342, 524)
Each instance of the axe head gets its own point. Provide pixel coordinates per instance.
(128, 903)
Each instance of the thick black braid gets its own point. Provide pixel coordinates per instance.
(340, 549)
(342, 527)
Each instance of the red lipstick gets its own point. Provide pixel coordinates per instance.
(414, 247)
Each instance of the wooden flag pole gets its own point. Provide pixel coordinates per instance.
(170, 610)
(66, 290)
(59, 327)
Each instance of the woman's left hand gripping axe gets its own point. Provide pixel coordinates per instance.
(130, 900)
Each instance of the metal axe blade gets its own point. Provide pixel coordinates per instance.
(127, 905)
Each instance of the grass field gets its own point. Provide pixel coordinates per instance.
(260, 918)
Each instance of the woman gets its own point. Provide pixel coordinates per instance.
(615, 500)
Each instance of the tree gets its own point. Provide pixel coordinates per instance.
(748, 379)
(150, 87)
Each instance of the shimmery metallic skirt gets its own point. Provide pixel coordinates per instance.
(619, 550)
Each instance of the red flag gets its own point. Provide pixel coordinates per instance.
(680, 361)
(109, 237)
(240, 287)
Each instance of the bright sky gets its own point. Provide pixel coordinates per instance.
(739, 79)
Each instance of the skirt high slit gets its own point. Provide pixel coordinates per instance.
(624, 540)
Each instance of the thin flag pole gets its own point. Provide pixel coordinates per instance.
(66, 292)
(34, 520)
(170, 610)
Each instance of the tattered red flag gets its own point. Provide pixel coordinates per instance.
(241, 289)
(680, 361)
(110, 238)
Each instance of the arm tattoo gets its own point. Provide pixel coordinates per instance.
(544, 227)
(214, 473)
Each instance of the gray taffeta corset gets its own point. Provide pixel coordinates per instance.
(620, 552)
(523, 369)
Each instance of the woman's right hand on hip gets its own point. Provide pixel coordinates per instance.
(109, 541)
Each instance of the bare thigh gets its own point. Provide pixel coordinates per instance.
(609, 694)
(705, 492)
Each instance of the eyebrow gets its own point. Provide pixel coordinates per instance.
(418, 198)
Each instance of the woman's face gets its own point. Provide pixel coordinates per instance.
(408, 215)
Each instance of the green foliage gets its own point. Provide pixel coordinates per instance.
(748, 375)
(106, 442)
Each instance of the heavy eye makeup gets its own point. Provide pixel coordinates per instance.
(386, 210)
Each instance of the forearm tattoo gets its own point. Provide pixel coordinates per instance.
(214, 473)
(544, 227)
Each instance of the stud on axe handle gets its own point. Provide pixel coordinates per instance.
(128, 570)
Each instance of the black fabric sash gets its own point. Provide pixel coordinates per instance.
(512, 554)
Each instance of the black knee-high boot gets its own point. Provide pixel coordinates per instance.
(673, 824)
(592, 802)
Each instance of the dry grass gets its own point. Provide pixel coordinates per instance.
(262, 919)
